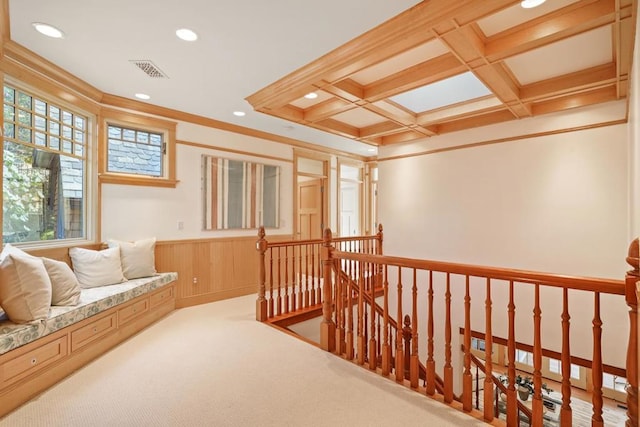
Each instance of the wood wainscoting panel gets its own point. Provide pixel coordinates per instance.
(212, 269)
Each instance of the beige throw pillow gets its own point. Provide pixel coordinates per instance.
(97, 268)
(65, 289)
(138, 258)
(25, 288)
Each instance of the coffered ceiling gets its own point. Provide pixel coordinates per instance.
(443, 66)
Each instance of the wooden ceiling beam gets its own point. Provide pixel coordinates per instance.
(326, 109)
(602, 75)
(399, 34)
(476, 121)
(380, 129)
(406, 136)
(393, 112)
(419, 75)
(338, 127)
(347, 89)
(594, 96)
(569, 21)
(469, 46)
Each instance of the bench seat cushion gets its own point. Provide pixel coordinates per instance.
(92, 301)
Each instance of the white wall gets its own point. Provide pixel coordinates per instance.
(556, 203)
(132, 212)
(634, 143)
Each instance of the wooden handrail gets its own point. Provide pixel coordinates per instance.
(605, 286)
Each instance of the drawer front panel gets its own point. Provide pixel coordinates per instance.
(92, 331)
(32, 361)
(132, 311)
(161, 297)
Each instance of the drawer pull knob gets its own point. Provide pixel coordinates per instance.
(34, 361)
(134, 310)
(95, 329)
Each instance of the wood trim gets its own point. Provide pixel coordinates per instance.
(5, 25)
(507, 139)
(46, 86)
(35, 62)
(231, 150)
(272, 237)
(117, 101)
(111, 178)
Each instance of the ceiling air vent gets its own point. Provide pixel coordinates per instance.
(149, 68)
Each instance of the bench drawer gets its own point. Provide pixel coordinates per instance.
(132, 311)
(32, 361)
(161, 297)
(92, 331)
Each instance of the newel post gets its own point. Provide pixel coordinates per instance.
(261, 302)
(633, 277)
(327, 327)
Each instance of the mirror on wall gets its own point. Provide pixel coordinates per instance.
(239, 194)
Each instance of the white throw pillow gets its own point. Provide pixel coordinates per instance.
(25, 288)
(65, 289)
(138, 258)
(97, 268)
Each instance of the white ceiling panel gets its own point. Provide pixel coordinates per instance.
(563, 57)
(460, 88)
(359, 118)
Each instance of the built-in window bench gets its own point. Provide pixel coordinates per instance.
(36, 355)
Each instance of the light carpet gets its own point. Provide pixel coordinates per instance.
(214, 365)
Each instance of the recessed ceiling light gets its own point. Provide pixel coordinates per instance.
(311, 95)
(48, 30)
(530, 4)
(186, 34)
(239, 113)
(142, 96)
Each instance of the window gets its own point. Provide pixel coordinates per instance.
(44, 185)
(137, 150)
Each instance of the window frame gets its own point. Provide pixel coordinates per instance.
(90, 187)
(138, 122)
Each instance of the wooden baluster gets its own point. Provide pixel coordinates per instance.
(448, 368)
(379, 238)
(321, 271)
(343, 301)
(415, 361)
(350, 343)
(307, 299)
(327, 327)
(261, 302)
(566, 416)
(399, 350)
(488, 355)
(339, 313)
(286, 279)
(536, 405)
(314, 276)
(632, 277)
(360, 337)
(431, 363)
(300, 278)
(373, 347)
(467, 385)
(271, 307)
(596, 369)
(279, 302)
(294, 277)
(386, 347)
(512, 403)
(406, 339)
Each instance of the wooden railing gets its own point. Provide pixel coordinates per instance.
(346, 330)
(290, 275)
